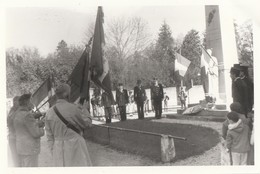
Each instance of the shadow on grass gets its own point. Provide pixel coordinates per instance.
(199, 139)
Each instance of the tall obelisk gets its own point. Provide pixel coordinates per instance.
(220, 37)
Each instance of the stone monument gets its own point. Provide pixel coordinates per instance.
(220, 37)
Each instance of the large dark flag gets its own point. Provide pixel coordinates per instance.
(99, 64)
(45, 90)
(79, 78)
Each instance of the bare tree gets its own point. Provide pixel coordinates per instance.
(127, 36)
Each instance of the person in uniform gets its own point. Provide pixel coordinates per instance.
(182, 96)
(67, 146)
(107, 103)
(139, 97)
(157, 96)
(28, 130)
(239, 88)
(122, 100)
(250, 86)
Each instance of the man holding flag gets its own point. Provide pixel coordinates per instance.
(99, 64)
(181, 65)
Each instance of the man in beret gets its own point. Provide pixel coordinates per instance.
(250, 86)
(67, 146)
(28, 131)
(239, 88)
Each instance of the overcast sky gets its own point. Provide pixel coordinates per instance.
(44, 27)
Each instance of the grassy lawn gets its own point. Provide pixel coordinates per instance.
(199, 139)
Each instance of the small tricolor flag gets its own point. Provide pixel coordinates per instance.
(181, 64)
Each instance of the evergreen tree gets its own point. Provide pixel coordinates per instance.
(163, 56)
(191, 50)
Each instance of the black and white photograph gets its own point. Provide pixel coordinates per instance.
(138, 85)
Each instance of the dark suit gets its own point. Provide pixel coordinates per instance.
(250, 92)
(157, 97)
(122, 99)
(140, 97)
(240, 93)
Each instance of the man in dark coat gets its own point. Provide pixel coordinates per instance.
(139, 97)
(250, 86)
(107, 102)
(122, 100)
(239, 89)
(157, 96)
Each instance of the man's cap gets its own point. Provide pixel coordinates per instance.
(63, 88)
(234, 70)
(237, 67)
(25, 97)
(139, 81)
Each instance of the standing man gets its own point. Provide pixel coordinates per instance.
(67, 146)
(122, 100)
(107, 103)
(182, 96)
(239, 89)
(139, 97)
(28, 131)
(157, 97)
(250, 86)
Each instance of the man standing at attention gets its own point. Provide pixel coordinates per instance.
(157, 97)
(107, 102)
(67, 146)
(139, 97)
(121, 100)
(28, 131)
(182, 96)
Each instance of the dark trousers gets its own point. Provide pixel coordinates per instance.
(140, 110)
(108, 114)
(158, 108)
(122, 111)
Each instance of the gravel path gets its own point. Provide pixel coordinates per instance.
(105, 156)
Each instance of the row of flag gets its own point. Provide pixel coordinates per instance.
(96, 68)
(182, 64)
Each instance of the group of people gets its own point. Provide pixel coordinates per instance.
(139, 98)
(238, 133)
(64, 125)
(238, 129)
